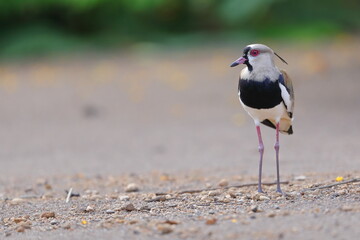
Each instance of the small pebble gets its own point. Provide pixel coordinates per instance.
(271, 214)
(23, 226)
(263, 198)
(54, 222)
(225, 200)
(157, 199)
(241, 201)
(232, 195)
(145, 208)
(257, 196)
(255, 208)
(20, 229)
(110, 211)
(18, 220)
(211, 221)
(124, 198)
(171, 222)
(48, 215)
(67, 226)
(132, 187)
(47, 196)
(133, 222)
(129, 207)
(165, 228)
(16, 201)
(214, 193)
(335, 195)
(206, 199)
(223, 183)
(300, 178)
(89, 209)
(341, 192)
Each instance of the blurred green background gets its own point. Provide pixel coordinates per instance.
(43, 27)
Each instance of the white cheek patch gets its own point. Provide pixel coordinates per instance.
(285, 96)
(245, 74)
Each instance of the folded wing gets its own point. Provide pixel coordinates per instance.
(287, 93)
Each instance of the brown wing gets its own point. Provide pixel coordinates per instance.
(290, 90)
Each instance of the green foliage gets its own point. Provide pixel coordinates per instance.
(143, 5)
(38, 40)
(41, 26)
(234, 11)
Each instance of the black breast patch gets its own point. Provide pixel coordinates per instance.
(260, 95)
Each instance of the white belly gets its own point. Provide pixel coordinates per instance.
(273, 114)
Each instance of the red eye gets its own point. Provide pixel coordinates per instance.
(254, 52)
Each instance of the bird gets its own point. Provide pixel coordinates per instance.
(267, 95)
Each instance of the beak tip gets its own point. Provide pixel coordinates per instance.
(238, 61)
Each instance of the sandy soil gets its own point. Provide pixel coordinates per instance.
(169, 122)
(152, 206)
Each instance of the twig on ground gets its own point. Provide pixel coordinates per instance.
(217, 188)
(69, 195)
(333, 184)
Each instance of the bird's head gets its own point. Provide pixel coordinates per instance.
(257, 56)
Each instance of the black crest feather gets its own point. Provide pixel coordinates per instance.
(280, 58)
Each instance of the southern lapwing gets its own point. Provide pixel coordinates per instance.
(267, 95)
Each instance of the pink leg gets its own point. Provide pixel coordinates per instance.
(261, 151)
(277, 147)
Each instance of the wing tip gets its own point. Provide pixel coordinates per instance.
(290, 130)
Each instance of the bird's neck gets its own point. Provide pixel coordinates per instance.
(260, 73)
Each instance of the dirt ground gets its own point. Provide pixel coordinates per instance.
(129, 132)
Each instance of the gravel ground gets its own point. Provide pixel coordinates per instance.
(130, 131)
(165, 206)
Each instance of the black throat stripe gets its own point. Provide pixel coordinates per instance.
(245, 55)
(260, 95)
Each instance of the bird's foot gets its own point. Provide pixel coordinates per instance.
(278, 190)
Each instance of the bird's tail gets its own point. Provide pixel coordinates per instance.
(285, 125)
